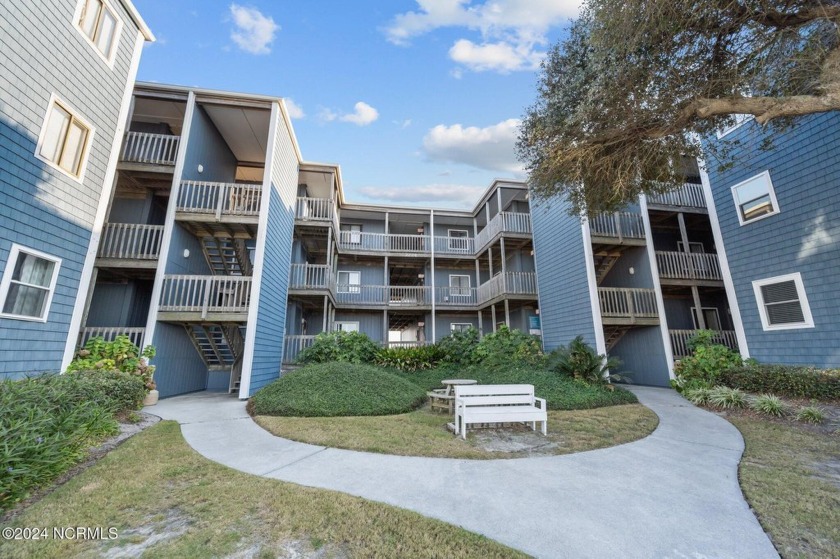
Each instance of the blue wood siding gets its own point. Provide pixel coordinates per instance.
(181, 369)
(207, 147)
(370, 323)
(562, 282)
(643, 356)
(40, 207)
(804, 237)
(271, 309)
(620, 276)
(195, 263)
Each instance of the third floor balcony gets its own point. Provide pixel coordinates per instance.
(619, 228)
(218, 201)
(150, 149)
(688, 196)
(675, 266)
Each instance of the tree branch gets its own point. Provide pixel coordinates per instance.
(781, 20)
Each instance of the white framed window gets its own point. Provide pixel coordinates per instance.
(65, 139)
(349, 282)
(28, 284)
(755, 198)
(345, 326)
(459, 286)
(783, 303)
(458, 239)
(98, 23)
(351, 233)
(696, 248)
(711, 317)
(460, 326)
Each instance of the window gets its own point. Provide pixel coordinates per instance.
(346, 326)
(460, 326)
(65, 139)
(755, 198)
(351, 233)
(459, 286)
(349, 282)
(783, 303)
(28, 284)
(99, 24)
(710, 316)
(458, 240)
(696, 248)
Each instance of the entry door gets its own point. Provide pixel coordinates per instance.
(710, 315)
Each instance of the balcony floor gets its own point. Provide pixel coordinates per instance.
(180, 317)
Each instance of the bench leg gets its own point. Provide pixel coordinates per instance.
(533, 426)
(545, 428)
(464, 430)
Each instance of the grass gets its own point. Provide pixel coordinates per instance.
(790, 474)
(337, 389)
(560, 393)
(155, 485)
(423, 433)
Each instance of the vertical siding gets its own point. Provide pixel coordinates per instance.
(196, 263)
(562, 282)
(182, 370)
(643, 356)
(804, 237)
(270, 327)
(620, 276)
(370, 323)
(41, 208)
(207, 148)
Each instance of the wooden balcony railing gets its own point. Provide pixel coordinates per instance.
(219, 199)
(205, 294)
(689, 266)
(131, 241)
(624, 302)
(413, 343)
(679, 340)
(509, 283)
(689, 196)
(383, 242)
(409, 296)
(310, 276)
(504, 222)
(455, 245)
(314, 209)
(361, 294)
(619, 225)
(456, 296)
(293, 345)
(110, 333)
(155, 149)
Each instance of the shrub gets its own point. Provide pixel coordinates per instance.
(703, 368)
(118, 355)
(458, 348)
(409, 358)
(347, 347)
(48, 422)
(337, 389)
(811, 414)
(580, 361)
(769, 405)
(698, 396)
(506, 347)
(785, 380)
(727, 398)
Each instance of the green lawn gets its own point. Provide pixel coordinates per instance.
(155, 486)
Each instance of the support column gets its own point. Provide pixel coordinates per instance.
(493, 315)
(507, 313)
(432, 274)
(695, 293)
(480, 324)
(326, 312)
(385, 328)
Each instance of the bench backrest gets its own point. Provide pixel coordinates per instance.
(496, 394)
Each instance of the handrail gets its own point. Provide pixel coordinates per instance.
(684, 265)
(205, 294)
(110, 333)
(219, 198)
(627, 302)
(508, 283)
(131, 241)
(689, 195)
(619, 225)
(454, 245)
(293, 345)
(503, 222)
(679, 340)
(156, 149)
(314, 209)
(383, 242)
(310, 276)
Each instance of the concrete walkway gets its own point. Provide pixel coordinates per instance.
(672, 494)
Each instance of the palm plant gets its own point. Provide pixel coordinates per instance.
(581, 362)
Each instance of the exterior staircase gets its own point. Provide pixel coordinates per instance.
(604, 262)
(613, 334)
(221, 347)
(226, 256)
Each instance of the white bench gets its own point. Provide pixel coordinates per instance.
(498, 403)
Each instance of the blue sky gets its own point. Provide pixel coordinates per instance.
(418, 101)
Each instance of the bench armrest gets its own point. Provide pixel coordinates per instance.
(541, 401)
(460, 403)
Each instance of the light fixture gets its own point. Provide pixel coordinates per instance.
(200, 168)
(532, 252)
(421, 276)
(632, 270)
(421, 324)
(186, 253)
(537, 311)
(420, 229)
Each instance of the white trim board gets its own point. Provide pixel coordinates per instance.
(657, 287)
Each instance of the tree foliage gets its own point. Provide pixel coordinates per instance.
(627, 95)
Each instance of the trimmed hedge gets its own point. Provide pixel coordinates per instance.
(337, 389)
(785, 380)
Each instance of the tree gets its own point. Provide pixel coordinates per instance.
(638, 83)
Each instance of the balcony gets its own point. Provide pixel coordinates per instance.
(688, 196)
(293, 345)
(310, 276)
(455, 246)
(218, 201)
(358, 241)
(110, 333)
(679, 341)
(628, 306)
(384, 296)
(688, 267)
(617, 228)
(218, 298)
(456, 296)
(505, 223)
(150, 149)
(317, 211)
(130, 245)
(518, 284)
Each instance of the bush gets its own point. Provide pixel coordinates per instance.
(785, 380)
(727, 398)
(458, 348)
(769, 405)
(337, 389)
(811, 414)
(409, 358)
(346, 347)
(48, 422)
(581, 362)
(698, 396)
(506, 347)
(703, 368)
(118, 355)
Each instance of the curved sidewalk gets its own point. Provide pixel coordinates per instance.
(672, 494)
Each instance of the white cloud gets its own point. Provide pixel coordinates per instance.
(362, 115)
(457, 195)
(253, 32)
(491, 148)
(511, 30)
(295, 111)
